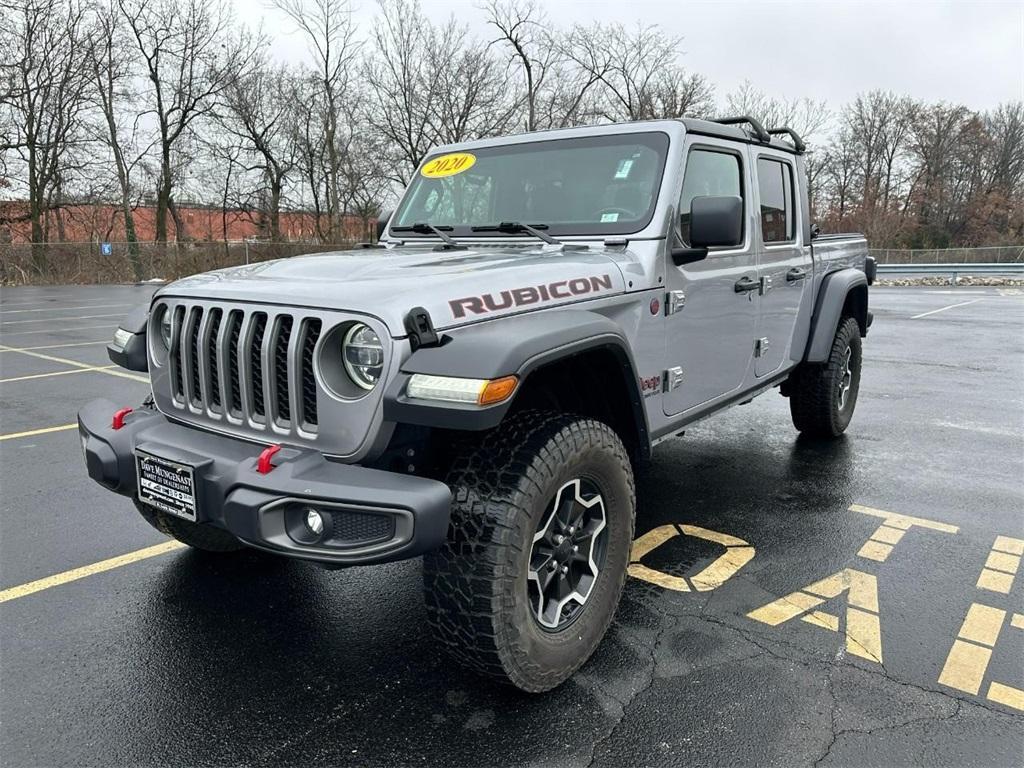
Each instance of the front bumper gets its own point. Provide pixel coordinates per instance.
(375, 516)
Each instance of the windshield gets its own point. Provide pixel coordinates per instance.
(597, 185)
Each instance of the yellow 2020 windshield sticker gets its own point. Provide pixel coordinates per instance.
(448, 165)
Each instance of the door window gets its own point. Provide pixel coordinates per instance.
(775, 188)
(708, 174)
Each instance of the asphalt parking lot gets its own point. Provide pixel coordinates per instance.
(792, 603)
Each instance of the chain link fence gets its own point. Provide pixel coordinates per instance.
(89, 263)
(1000, 254)
(86, 263)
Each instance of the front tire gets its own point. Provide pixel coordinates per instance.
(203, 537)
(822, 397)
(507, 594)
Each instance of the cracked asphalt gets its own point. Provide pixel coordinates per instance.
(181, 659)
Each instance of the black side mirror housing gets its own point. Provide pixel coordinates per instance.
(714, 222)
(382, 223)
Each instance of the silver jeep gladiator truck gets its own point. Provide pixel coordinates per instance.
(540, 312)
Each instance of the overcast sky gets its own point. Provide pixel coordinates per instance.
(966, 52)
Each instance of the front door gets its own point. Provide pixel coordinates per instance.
(709, 330)
(784, 264)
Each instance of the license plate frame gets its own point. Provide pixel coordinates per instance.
(168, 485)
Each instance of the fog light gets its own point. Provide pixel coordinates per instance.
(314, 522)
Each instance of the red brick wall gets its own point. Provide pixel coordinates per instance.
(90, 223)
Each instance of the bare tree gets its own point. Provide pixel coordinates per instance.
(114, 77)
(808, 117)
(259, 111)
(331, 36)
(44, 101)
(190, 52)
(521, 26)
(637, 72)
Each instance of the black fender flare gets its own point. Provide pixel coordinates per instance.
(832, 297)
(516, 345)
(132, 355)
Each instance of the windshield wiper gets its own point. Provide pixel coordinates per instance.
(425, 228)
(516, 226)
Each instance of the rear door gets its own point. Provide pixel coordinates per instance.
(710, 325)
(784, 264)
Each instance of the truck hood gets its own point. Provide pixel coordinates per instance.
(455, 287)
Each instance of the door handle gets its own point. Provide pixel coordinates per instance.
(795, 274)
(745, 285)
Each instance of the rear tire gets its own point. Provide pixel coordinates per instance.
(822, 397)
(203, 537)
(536, 477)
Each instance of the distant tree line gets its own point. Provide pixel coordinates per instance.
(149, 102)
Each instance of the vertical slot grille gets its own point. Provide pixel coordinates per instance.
(196, 392)
(176, 379)
(256, 364)
(211, 355)
(312, 334)
(254, 368)
(234, 330)
(284, 335)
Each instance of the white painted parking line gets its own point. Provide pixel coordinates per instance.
(4, 324)
(943, 309)
(76, 364)
(57, 346)
(56, 373)
(97, 305)
(108, 327)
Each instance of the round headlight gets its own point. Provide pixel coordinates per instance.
(165, 328)
(363, 355)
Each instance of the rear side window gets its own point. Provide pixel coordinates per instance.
(775, 188)
(708, 174)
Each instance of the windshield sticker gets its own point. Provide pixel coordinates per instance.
(625, 166)
(607, 217)
(448, 165)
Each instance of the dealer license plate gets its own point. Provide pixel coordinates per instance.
(167, 485)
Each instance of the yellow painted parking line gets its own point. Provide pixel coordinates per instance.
(982, 624)
(965, 667)
(57, 346)
(737, 554)
(1017, 622)
(994, 581)
(23, 590)
(1006, 695)
(1002, 565)
(891, 532)
(1009, 545)
(98, 305)
(6, 323)
(76, 364)
(34, 432)
(56, 373)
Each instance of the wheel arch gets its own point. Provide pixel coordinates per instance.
(842, 294)
(546, 350)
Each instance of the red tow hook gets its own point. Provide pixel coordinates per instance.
(263, 465)
(118, 421)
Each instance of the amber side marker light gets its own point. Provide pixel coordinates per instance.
(497, 390)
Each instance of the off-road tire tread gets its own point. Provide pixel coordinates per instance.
(203, 537)
(812, 398)
(469, 581)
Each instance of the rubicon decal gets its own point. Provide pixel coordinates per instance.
(532, 294)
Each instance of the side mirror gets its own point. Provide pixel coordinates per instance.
(382, 222)
(716, 221)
